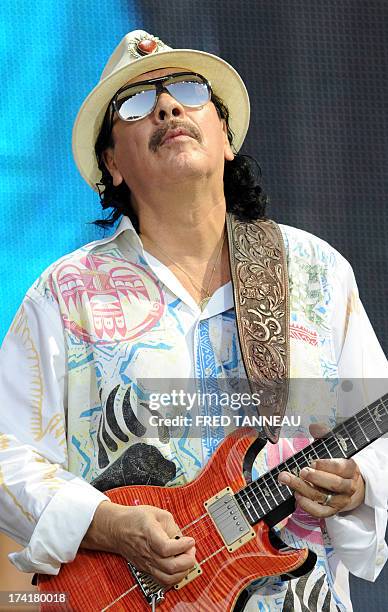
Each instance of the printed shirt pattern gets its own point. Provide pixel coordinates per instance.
(102, 321)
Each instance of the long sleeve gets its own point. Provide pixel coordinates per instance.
(358, 536)
(40, 500)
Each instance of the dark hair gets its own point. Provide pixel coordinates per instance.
(243, 193)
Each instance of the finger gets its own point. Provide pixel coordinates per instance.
(163, 578)
(346, 468)
(314, 508)
(318, 430)
(337, 504)
(175, 565)
(168, 524)
(302, 487)
(330, 482)
(164, 546)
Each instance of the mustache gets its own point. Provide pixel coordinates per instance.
(160, 133)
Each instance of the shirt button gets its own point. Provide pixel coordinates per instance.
(380, 560)
(208, 371)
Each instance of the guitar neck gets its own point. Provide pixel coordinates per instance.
(265, 495)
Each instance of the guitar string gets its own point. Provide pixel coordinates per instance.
(327, 444)
(302, 458)
(363, 420)
(330, 444)
(351, 427)
(208, 522)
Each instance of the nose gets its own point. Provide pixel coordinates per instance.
(167, 107)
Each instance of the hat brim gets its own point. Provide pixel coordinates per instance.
(225, 81)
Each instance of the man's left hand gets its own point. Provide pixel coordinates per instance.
(328, 486)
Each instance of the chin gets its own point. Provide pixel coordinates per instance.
(186, 162)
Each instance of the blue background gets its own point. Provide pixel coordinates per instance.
(52, 55)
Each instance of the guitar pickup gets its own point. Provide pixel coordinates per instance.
(229, 520)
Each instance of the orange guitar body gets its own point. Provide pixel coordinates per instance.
(101, 581)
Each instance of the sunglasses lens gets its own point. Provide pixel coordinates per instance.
(138, 101)
(189, 93)
(137, 105)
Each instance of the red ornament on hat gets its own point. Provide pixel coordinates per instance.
(146, 46)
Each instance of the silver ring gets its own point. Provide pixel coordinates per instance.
(327, 500)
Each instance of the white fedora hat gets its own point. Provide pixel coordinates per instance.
(140, 52)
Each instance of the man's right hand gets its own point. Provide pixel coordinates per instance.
(146, 536)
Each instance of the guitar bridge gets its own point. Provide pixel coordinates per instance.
(152, 590)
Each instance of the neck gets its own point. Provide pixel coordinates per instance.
(185, 230)
(187, 222)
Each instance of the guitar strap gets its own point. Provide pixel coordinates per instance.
(260, 285)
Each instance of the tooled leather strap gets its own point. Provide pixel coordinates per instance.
(260, 285)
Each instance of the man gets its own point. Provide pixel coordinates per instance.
(154, 301)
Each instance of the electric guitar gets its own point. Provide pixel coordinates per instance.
(230, 521)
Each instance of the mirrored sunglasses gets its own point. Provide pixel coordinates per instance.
(136, 101)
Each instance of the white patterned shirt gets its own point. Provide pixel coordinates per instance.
(102, 319)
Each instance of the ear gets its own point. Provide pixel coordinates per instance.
(228, 153)
(110, 163)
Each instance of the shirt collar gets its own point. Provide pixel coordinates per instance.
(124, 229)
(124, 225)
(221, 300)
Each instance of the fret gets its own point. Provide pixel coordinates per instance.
(348, 436)
(326, 447)
(276, 485)
(247, 505)
(266, 491)
(355, 419)
(304, 458)
(263, 495)
(383, 404)
(345, 440)
(341, 444)
(353, 429)
(376, 416)
(371, 420)
(310, 456)
(379, 414)
(321, 449)
(287, 465)
(281, 487)
(384, 416)
(313, 449)
(370, 426)
(283, 496)
(266, 487)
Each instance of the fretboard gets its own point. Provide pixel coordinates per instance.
(264, 495)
